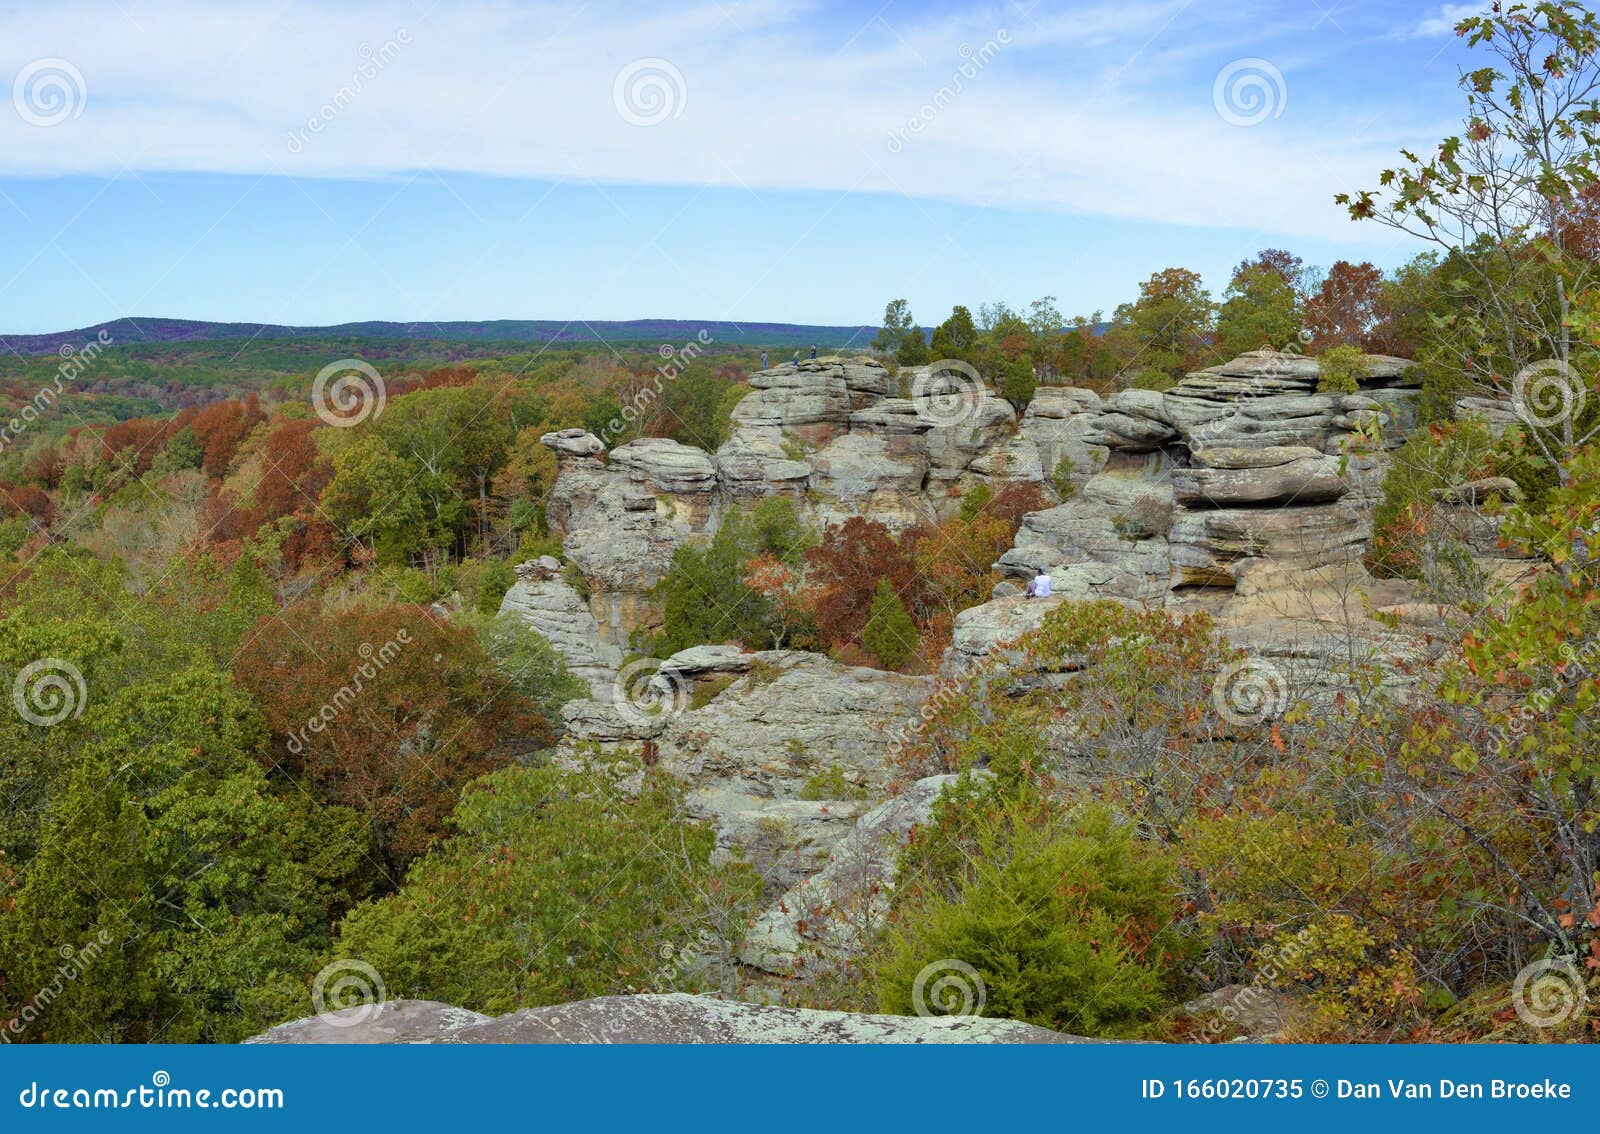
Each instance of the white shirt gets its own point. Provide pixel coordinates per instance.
(1041, 587)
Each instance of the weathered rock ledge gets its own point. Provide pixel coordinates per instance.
(665, 1018)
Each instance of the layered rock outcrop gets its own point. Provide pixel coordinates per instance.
(1241, 491)
(623, 517)
(782, 751)
(549, 604)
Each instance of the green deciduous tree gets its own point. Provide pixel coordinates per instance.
(558, 885)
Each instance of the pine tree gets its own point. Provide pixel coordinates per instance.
(890, 634)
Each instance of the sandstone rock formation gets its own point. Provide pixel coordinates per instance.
(662, 1018)
(1241, 492)
(623, 518)
(547, 602)
(791, 751)
(828, 917)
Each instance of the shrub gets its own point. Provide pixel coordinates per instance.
(1063, 916)
(707, 689)
(529, 663)
(1342, 368)
(831, 783)
(558, 885)
(1430, 459)
(494, 579)
(1061, 477)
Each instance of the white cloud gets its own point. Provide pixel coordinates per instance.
(1442, 21)
(1102, 112)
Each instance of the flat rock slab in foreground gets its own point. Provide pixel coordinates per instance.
(671, 1018)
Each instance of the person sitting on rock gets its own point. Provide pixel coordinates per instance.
(1040, 587)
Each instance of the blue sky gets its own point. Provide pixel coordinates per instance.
(751, 160)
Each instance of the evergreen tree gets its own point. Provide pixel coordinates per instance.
(890, 634)
(956, 337)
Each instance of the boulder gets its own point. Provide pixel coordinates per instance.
(1058, 423)
(790, 717)
(983, 631)
(1267, 475)
(621, 521)
(667, 465)
(649, 1018)
(574, 443)
(1476, 492)
(1499, 414)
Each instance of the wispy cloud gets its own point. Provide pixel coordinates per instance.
(1105, 110)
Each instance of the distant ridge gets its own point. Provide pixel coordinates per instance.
(131, 331)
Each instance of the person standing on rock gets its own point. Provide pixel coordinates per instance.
(795, 361)
(813, 354)
(763, 360)
(1040, 587)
